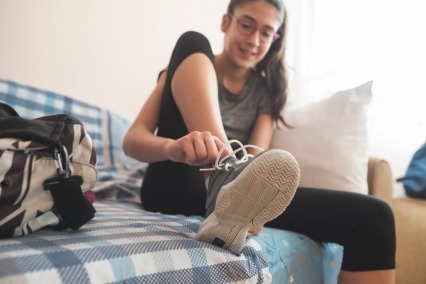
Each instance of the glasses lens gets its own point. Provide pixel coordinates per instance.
(246, 26)
(267, 35)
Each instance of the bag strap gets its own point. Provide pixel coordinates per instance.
(7, 111)
(74, 209)
(46, 129)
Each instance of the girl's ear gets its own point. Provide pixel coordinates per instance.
(225, 23)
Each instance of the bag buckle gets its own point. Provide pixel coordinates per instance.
(74, 209)
(60, 154)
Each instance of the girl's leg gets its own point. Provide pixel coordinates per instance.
(189, 103)
(367, 277)
(363, 225)
(195, 90)
(192, 82)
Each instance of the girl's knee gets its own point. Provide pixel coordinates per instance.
(193, 42)
(372, 243)
(189, 43)
(192, 37)
(381, 211)
(379, 222)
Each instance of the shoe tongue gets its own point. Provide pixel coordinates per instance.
(230, 160)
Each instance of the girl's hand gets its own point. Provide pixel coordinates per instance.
(195, 149)
(254, 230)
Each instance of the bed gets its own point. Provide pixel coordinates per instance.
(126, 244)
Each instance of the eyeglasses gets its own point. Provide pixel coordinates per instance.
(247, 26)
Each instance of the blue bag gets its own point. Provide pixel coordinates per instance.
(414, 180)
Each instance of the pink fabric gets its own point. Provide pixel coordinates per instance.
(90, 195)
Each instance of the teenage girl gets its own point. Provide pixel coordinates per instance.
(202, 101)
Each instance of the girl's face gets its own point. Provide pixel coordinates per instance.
(249, 32)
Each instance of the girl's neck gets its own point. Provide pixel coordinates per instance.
(232, 77)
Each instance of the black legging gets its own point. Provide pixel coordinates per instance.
(363, 225)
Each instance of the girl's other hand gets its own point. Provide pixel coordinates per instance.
(254, 230)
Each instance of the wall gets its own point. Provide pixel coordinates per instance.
(105, 52)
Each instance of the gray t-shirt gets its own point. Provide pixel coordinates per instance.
(239, 111)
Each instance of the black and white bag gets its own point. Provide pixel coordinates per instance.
(46, 165)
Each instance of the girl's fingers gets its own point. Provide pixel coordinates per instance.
(198, 148)
(211, 147)
(189, 152)
(220, 145)
(205, 148)
(254, 230)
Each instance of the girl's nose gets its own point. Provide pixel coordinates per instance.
(254, 38)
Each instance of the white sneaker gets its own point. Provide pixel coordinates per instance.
(247, 192)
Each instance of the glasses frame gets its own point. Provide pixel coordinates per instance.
(259, 28)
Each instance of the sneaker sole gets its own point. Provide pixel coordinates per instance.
(260, 193)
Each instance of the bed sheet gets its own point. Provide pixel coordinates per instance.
(294, 258)
(125, 244)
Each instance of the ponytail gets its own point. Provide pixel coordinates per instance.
(272, 67)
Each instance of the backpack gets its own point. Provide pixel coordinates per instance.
(414, 181)
(46, 166)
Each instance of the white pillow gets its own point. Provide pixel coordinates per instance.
(329, 140)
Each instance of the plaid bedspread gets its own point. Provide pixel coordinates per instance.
(127, 244)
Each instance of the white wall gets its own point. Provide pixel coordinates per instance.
(104, 52)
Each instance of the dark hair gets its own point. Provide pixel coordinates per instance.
(272, 65)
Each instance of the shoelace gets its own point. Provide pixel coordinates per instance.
(219, 163)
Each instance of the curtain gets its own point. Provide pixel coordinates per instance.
(334, 44)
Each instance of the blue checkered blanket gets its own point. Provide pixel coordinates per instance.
(126, 244)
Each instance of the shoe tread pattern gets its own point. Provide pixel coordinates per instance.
(261, 192)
